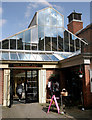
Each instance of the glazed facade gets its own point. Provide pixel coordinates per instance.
(46, 39)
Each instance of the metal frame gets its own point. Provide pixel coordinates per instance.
(39, 51)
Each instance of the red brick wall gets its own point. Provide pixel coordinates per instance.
(75, 26)
(87, 92)
(87, 36)
(1, 86)
(63, 79)
(48, 75)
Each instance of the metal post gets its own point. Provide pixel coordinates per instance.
(61, 102)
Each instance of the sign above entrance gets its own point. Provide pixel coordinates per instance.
(31, 65)
(87, 61)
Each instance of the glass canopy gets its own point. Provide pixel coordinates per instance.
(46, 33)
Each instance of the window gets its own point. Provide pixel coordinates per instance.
(12, 43)
(20, 41)
(5, 44)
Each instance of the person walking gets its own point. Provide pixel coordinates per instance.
(19, 90)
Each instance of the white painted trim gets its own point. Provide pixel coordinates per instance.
(6, 89)
(42, 86)
(3, 65)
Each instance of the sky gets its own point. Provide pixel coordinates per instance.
(16, 16)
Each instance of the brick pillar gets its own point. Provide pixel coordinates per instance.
(86, 88)
(48, 74)
(75, 26)
(1, 87)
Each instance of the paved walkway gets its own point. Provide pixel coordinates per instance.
(36, 110)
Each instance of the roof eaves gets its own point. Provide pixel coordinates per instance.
(82, 30)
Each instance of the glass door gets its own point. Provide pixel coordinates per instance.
(31, 86)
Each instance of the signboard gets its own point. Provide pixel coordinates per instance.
(87, 61)
(56, 103)
(91, 81)
(33, 65)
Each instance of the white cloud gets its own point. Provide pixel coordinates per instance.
(2, 22)
(35, 5)
(59, 8)
(0, 10)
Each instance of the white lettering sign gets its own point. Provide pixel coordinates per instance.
(86, 61)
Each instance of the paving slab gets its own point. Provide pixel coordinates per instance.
(36, 110)
(33, 110)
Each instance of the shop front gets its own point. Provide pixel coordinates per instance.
(31, 78)
(29, 81)
(30, 57)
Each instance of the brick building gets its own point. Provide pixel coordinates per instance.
(45, 52)
(76, 26)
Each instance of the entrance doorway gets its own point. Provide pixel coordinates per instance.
(28, 79)
(31, 86)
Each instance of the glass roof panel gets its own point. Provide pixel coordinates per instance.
(47, 17)
(0, 45)
(34, 35)
(20, 36)
(48, 35)
(5, 56)
(13, 56)
(58, 56)
(41, 18)
(0, 55)
(59, 20)
(37, 57)
(63, 56)
(20, 40)
(53, 16)
(27, 36)
(30, 56)
(45, 57)
(22, 56)
(53, 57)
